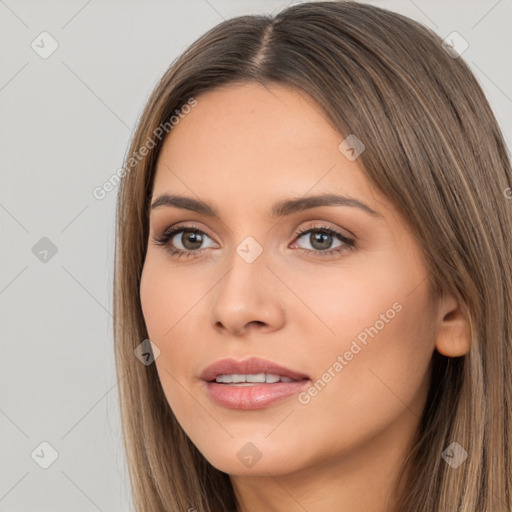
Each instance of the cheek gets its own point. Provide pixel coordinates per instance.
(170, 301)
(374, 363)
(167, 296)
(166, 306)
(376, 382)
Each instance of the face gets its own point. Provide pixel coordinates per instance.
(335, 292)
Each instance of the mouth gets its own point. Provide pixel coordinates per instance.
(252, 383)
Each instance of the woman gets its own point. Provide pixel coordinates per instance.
(312, 280)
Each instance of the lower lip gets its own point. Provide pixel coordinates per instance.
(257, 396)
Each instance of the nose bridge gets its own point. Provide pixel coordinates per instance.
(247, 268)
(246, 293)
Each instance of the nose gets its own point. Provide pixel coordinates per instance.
(248, 297)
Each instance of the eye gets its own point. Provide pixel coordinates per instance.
(321, 239)
(190, 240)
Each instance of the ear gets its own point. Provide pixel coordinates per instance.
(454, 330)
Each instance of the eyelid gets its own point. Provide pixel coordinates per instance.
(190, 226)
(316, 224)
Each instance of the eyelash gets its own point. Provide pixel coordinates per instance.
(164, 239)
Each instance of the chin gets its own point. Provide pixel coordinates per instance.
(250, 461)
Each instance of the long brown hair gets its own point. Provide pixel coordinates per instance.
(434, 149)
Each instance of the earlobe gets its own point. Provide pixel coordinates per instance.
(454, 330)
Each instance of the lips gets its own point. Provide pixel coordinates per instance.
(237, 384)
(253, 365)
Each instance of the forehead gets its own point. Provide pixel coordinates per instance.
(255, 143)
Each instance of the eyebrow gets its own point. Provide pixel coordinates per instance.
(279, 209)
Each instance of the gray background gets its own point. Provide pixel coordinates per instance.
(65, 124)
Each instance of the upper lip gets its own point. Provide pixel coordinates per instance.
(252, 365)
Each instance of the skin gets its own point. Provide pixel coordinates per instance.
(243, 148)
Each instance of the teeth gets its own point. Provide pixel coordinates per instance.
(224, 378)
(259, 377)
(248, 379)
